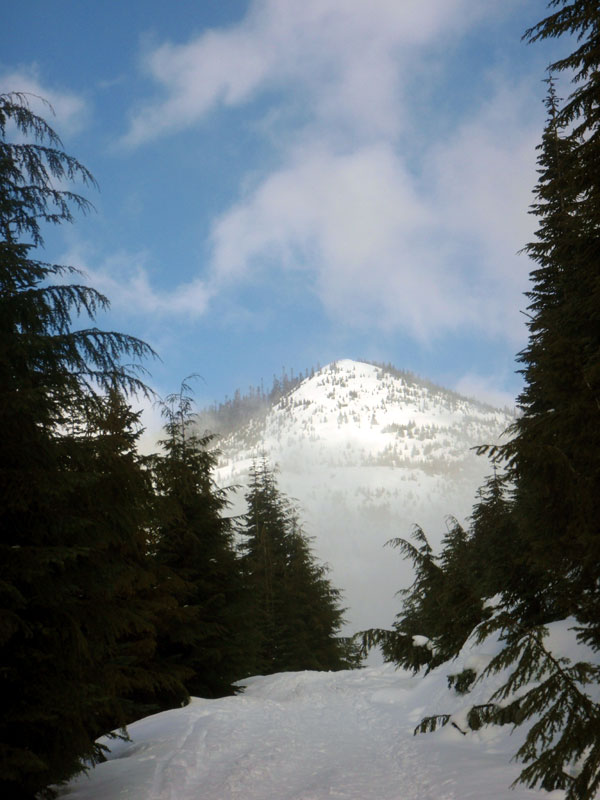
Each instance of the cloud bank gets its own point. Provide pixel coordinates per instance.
(124, 278)
(345, 62)
(398, 219)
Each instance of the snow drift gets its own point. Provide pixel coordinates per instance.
(317, 736)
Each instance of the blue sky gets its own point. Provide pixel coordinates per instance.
(285, 183)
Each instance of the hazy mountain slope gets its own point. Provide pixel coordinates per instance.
(367, 453)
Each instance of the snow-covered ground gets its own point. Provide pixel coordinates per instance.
(314, 736)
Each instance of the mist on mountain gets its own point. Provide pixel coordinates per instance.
(366, 451)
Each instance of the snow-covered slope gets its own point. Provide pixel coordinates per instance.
(314, 736)
(367, 453)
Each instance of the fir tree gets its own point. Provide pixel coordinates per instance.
(551, 456)
(192, 542)
(54, 693)
(312, 615)
(115, 494)
(264, 556)
(552, 459)
(558, 435)
(551, 462)
(439, 610)
(296, 614)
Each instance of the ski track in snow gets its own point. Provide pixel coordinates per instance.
(304, 736)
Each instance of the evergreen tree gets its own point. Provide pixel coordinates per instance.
(192, 543)
(551, 462)
(494, 541)
(296, 613)
(264, 555)
(114, 493)
(551, 458)
(311, 615)
(54, 693)
(439, 610)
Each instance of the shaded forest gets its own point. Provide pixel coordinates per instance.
(122, 588)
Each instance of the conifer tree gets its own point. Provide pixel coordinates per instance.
(552, 459)
(439, 610)
(264, 556)
(192, 542)
(494, 540)
(53, 693)
(551, 462)
(312, 615)
(296, 612)
(555, 451)
(114, 493)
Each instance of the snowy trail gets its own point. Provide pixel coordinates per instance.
(305, 736)
(336, 747)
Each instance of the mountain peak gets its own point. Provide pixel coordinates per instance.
(353, 412)
(368, 451)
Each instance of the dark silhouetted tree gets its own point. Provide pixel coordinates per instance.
(55, 559)
(549, 529)
(296, 613)
(192, 543)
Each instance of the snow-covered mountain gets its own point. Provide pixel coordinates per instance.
(367, 452)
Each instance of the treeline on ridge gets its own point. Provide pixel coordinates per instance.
(230, 415)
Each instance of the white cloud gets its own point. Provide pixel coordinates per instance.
(123, 278)
(70, 110)
(423, 240)
(152, 422)
(484, 173)
(216, 68)
(480, 184)
(386, 245)
(346, 60)
(357, 226)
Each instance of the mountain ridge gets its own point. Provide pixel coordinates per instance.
(367, 451)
